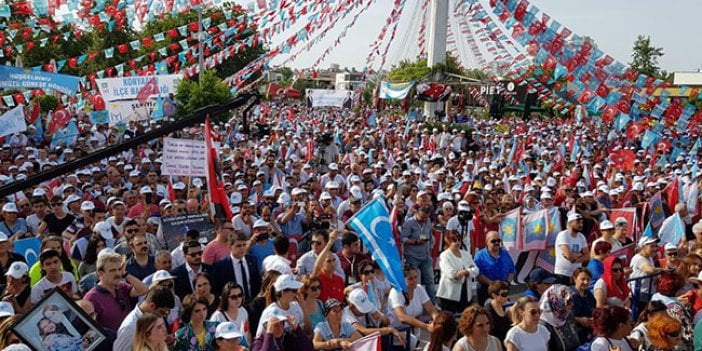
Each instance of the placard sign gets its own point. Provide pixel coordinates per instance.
(175, 227)
(184, 157)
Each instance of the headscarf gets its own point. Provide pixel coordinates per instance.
(554, 305)
(615, 288)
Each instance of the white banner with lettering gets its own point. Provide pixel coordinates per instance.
(324, 97)
(130, 110)
(127, 88)
(12, 121)
(184, 157)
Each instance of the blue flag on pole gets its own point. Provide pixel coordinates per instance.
(372, 223)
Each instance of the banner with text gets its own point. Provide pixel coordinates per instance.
(127, 88)
(334, 98)
(20, 78)
(129, 110)
(12, 122)
(184, 157)
(175, 227)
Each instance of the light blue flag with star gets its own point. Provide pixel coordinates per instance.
(372, 224)
(510, 228)
(535, 231)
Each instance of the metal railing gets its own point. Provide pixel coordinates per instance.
(638, 298)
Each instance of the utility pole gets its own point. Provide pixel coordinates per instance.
(438, 26)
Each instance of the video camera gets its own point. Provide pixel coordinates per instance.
(464, 217)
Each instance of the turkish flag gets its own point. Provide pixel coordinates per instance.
(215, 185)
(149, 89)
(59, 119)
(664, 145)
(623, 159)
(633, 130)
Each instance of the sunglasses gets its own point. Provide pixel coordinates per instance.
(290, 290)
(131, 231)
(496, 241)
(671, 253)
(56, 204)
(535, 312)
(195, 254)
(370, 271)
(316, 288)
(234, 297)
(617, 270)
(315, 242)
(504, 294)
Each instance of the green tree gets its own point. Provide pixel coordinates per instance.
(645, 56)
(192, 96)
(287, 74)
(417, 70)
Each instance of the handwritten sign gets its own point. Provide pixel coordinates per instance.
(184, 157)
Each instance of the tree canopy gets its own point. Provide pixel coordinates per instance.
(407, 70)
(645, 57)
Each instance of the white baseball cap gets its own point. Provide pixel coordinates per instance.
(6, 309)
(286, 281)
(87, 206)
(227, 330)
(360, 299)
(260, 224)
(606, 225)
(574, 216)
(160, 276)
(9, 207)
(17, 270)
(104, 229)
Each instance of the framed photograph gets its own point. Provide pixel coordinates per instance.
(57, 323)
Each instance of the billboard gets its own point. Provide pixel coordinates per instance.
(334, 98)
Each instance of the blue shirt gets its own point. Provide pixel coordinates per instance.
(596, 267)
(20, 228)
(261, 252)
(494, 268)
(293, 226)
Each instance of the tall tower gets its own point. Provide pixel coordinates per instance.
(438, 27)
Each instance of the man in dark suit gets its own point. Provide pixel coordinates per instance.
(186, 272)
(239, 268)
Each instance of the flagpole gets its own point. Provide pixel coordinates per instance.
(200, 46)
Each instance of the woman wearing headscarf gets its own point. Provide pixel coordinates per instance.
(557, 316)
(611, 289)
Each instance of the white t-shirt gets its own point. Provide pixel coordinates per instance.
(576, 244)
(616, 244)
(637, 264)
(44, 286)
(524, 341)
(611, 301)
(275, 310)
(241, 321)
(414, 309)
(455, 225)
(604, 344)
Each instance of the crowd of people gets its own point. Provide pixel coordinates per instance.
(286, 273)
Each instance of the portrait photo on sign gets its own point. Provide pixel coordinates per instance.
(57, 323)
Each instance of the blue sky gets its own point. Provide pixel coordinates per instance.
(613, 24)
